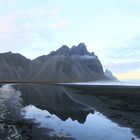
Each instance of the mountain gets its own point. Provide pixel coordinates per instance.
(13, 66)
(66, 64)
(109, 74)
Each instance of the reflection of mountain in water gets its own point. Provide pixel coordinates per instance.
(50, 98)
(56, 101)
(123, 111)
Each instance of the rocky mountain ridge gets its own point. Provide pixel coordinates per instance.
(75, 50)
(66, 64)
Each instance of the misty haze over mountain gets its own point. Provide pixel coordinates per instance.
(66, 64)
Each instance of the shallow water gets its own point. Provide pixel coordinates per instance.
(49, 112)
(96, 126)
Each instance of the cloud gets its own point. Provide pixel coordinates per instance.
(54, 12)
(59, 25)
(8, 24)
(7, 1)
(126, 51)
(122, 67)
(123, 57)
(27, 32)
(50, 13)
(25, 19)
(11, 22)
(27, 26)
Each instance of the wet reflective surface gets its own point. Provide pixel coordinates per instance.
(51, 112)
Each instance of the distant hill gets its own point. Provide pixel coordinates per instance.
(66, 64)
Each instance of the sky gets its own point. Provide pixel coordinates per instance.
(109, 28)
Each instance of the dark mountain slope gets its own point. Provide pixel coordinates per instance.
(66, 64)
(13, 66)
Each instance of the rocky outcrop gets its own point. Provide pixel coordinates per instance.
(109, 74)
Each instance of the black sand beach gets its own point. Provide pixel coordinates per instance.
(66, 104)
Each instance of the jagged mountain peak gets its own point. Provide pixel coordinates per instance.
(64, 50)
(80, 49)
(109, 74)
(81, 46)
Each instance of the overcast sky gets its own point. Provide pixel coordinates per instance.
(110, 28)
